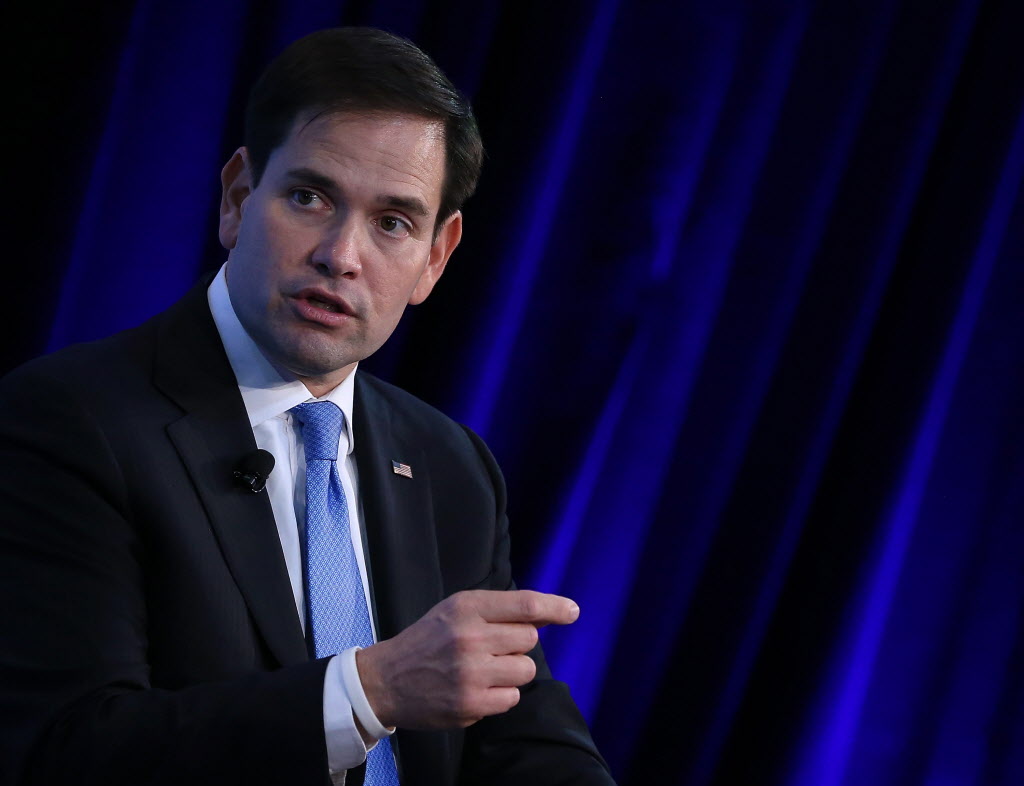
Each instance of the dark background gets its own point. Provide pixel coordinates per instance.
(737, 309)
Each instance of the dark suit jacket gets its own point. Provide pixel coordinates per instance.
(148, 634)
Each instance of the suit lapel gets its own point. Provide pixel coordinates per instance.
(398, 523)
(211, 438)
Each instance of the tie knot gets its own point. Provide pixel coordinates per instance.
(321, 428)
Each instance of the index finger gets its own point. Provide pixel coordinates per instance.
(536, 608)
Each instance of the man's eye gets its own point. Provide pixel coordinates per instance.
(393, 225)
(304, 197)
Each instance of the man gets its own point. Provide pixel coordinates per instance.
(164, 625)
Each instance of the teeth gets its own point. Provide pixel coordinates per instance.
(323, 304)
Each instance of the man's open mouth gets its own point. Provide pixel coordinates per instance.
(325, 305)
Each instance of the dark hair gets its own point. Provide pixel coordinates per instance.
(360, 69)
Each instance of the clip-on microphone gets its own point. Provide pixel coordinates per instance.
(253, 470)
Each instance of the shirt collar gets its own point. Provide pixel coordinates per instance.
(267, 392)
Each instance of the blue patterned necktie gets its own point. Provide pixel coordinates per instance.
(337, 615)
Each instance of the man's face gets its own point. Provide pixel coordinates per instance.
(325, 253)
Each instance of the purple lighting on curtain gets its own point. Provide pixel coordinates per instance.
(817, 212)
(598, 569)
(142, 229)
(697, 131)
(549, 576)
(521, 269)
(833, 731)
(989, 646)
(621, 504)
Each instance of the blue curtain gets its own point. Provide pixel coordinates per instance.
(738, 310)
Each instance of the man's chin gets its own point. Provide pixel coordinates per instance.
(312, 365)
(325, 371)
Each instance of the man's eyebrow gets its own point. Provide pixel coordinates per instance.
(313, 178)
(408, 204)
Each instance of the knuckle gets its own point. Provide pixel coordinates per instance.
(442, 615)
(461, 649)
(462, 702)
(448, 637)
(460, 674)
(465, 639)
(457, 604)
(467, 675)
(528, 605)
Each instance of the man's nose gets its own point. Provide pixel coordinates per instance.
(339, 251)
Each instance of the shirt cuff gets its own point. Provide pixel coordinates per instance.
(343, 700)
(357, 697)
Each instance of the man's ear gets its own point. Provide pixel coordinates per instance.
(235, 185)
(447, 239)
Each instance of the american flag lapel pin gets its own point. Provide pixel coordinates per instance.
(401, 469)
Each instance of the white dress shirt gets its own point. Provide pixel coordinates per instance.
(268, 393)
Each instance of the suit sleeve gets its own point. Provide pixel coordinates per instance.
(76, 701)
(543, 740)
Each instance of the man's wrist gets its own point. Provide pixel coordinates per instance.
(366, 719)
